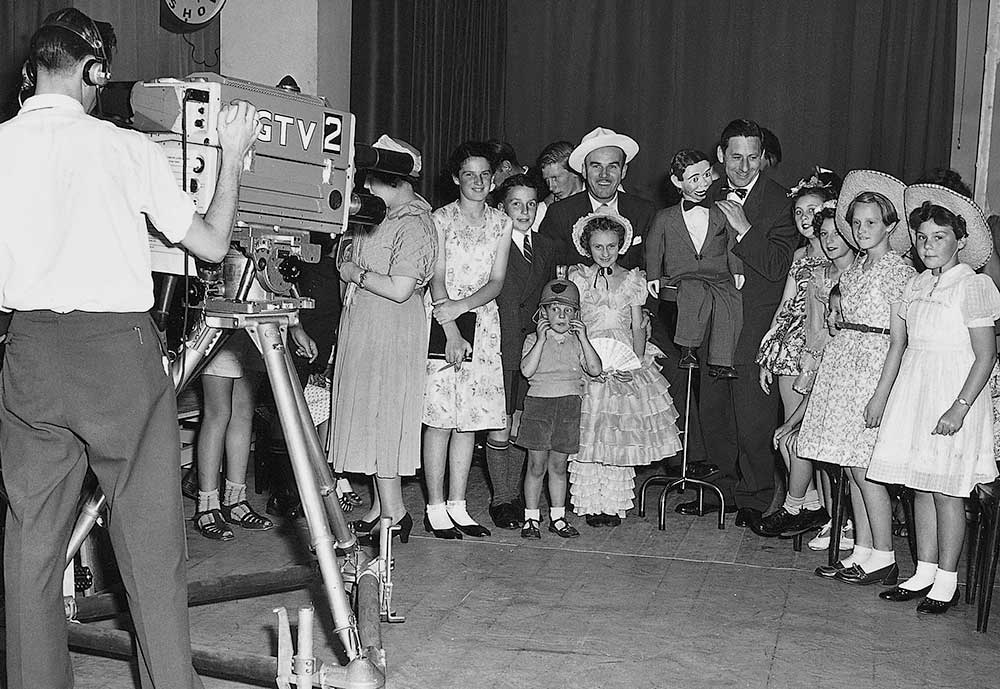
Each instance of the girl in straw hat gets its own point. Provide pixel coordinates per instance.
(937, 430)
(841, 421)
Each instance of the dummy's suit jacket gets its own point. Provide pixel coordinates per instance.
(559, 220)
(670, 252)
(766, 251)
(518, 299)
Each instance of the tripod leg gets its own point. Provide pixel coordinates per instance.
(268, 338)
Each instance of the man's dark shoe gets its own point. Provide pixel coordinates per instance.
(505, 516)
(689, 358)
(724, 372)
(773, 524)
(595, 520)
(702, 470)
(806, 520)
(612, 520)
(747, 516)
(690, 509)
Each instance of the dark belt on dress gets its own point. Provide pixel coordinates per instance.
(862, 328)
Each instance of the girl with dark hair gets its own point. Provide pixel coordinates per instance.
(465, 392)
(937, 430)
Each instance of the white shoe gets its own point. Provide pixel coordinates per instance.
(822, 539)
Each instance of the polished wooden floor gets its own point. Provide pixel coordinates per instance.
(630, 607)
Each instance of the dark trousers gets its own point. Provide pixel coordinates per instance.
(739, 423)
(79, 390)
(664, 329)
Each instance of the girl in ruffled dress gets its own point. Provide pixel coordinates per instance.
(937, 430)
(846, 404)
(628, 418)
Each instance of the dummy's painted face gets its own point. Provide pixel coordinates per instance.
(474, 179)
(604, 169)
(697, 179)
(803, 211)
(562, 182)
(937, 246)
(831, 241)
(521, 204)
(742, 159)
(559, 316)
(868, 227)
(604, 245)
(834, 313)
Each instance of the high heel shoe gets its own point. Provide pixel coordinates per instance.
(362, 527)
(474, 530)
(371, 536)
(447, 534)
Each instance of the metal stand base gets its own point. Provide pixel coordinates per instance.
(680, 482)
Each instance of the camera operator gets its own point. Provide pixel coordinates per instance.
(85, 382)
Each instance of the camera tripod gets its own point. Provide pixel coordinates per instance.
(267, 322)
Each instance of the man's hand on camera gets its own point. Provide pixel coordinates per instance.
(238, 128)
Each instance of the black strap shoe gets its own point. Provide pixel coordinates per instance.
(447, 534)
(900, 595)
(929, 606)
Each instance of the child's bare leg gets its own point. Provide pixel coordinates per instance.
(925, 516)
(537, 463)
(950, 534)
(435, 460)
(557, 463)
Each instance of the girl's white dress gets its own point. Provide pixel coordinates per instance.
(623, 424)
(939, 310)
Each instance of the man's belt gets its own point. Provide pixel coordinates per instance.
(862, 328)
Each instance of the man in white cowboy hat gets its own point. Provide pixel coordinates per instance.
(602, 158)
(743, 417)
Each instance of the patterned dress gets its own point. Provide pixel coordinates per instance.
(939, 310)
(378, 377)
(833, 429)
(623, 424)
(470, 398)
(781, 348)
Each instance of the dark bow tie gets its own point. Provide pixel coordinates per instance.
(739, 191)
(688, 205)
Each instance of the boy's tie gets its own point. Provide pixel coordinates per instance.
(527, 246)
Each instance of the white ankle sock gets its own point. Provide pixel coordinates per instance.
(879, 559)
(437, 515)
(532, 514)
(457, 512)
(792, 504)
(556, 513)
(922, 578)
(235, 492)
(208, 500)
(812, 502)
(945, 585)
(858, 556)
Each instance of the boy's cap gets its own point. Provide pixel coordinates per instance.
(560, 292)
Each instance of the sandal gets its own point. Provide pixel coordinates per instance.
(211, 525)
(243, 515)
(346, 504)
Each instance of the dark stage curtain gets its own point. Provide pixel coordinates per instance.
(145, 51)
(430, 72)
(847, 84)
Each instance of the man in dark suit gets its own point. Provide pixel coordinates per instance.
(531, 263)
(738, 417)
(602, 158)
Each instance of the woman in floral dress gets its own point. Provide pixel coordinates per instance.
(464, 396)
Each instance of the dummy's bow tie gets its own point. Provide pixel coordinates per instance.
(688, 205)
(739, 191)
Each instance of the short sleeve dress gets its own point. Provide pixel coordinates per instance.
(939, 310)
(781, 348)
(833, 429)
(623, 424)
(379, 372)
(470, 398)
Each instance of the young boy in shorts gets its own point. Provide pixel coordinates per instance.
(557, 358)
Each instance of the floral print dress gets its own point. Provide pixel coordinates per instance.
(781, 348)
(469, 398)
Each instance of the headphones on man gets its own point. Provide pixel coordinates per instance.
(96, 71)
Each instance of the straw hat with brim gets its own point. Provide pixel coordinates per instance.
(858, 182)
(599, 138)
(979, 244)
(603, 211)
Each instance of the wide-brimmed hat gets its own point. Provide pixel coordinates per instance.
(979, 244)
(560, 292)
(858, 182)
(603, 211)
(388, 143)
(599, 138)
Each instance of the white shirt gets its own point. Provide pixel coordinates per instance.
(731, 196)
(696, 220)
(596, 203)
(76, 192)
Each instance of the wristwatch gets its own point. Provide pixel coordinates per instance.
(361, 278)
(964, 402)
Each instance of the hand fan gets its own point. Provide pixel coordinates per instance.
(615, 355)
